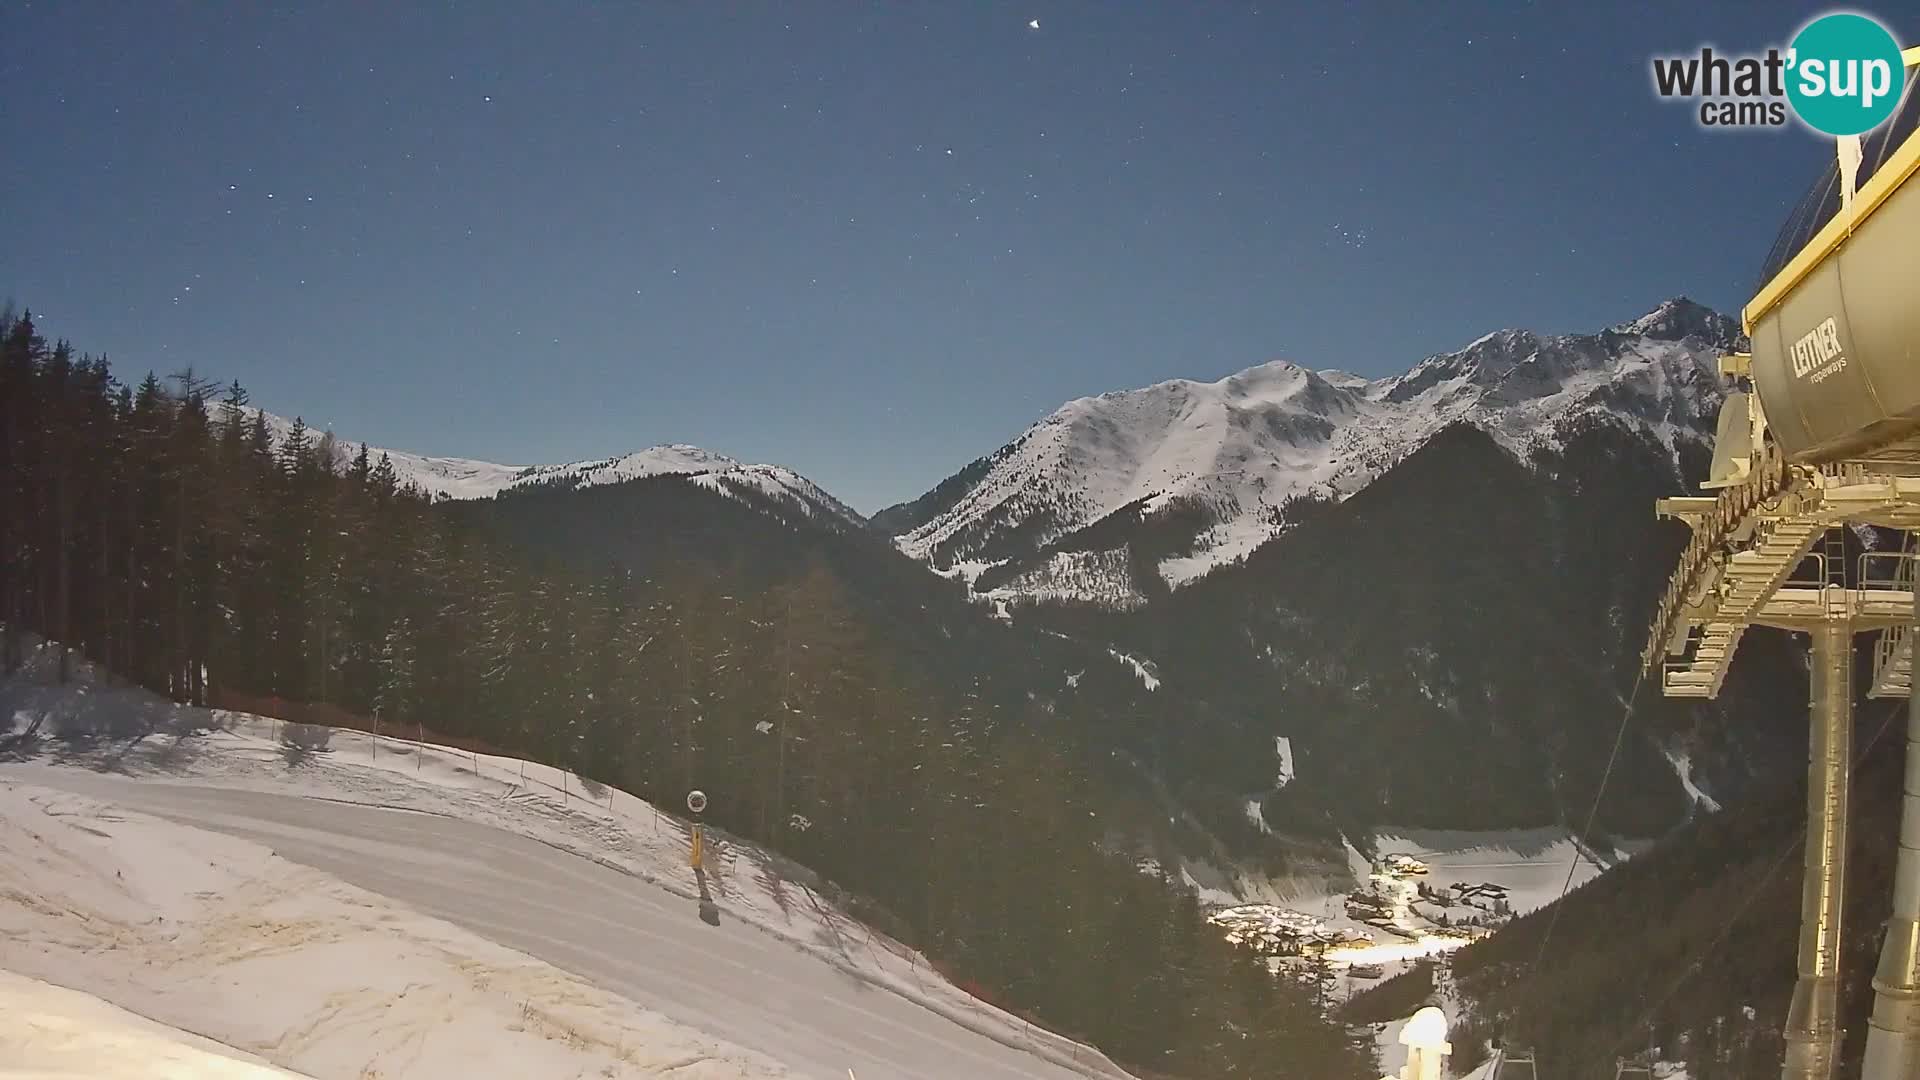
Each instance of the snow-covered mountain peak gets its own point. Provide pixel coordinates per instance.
(465, 478)
(1680, 318)
(669, 459)
(1275, 386)
(1050, 514)
(1485, 363)
(1345, 380)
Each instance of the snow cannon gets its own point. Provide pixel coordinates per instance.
(1835, 330)
(697, 836)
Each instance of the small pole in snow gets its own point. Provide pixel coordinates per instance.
(523, 772)
(476, 763)
(563, 785)
(420, 751)
(376, 734)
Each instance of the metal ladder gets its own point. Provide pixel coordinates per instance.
(1833, 546)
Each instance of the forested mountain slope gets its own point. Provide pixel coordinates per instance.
(177, 543)
(1690, 946)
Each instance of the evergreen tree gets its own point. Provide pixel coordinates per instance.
(189, 552)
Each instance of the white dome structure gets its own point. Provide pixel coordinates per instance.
(1425, 1037)
(1427, 1028)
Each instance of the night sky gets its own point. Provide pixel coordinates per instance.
(869, 241)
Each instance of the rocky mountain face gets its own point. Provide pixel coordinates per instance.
(1433, 586)
(1115, 499)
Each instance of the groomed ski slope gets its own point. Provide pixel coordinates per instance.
(219, 936)
(572, 923)
(50, 1032)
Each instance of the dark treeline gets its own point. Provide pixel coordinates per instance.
(1689, 947)
(182, 542)
(1453, 644)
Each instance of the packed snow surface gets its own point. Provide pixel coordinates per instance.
(49, 1031)
(357, 904)
(219, 934)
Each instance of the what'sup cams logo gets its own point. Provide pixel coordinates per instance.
(1842, 75)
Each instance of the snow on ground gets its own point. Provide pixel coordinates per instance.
(852, 995)
(1105, 577)
(1228, 542)
(1683, 768)
(1388, 1048)
(1530, 864)
(1149, 677)
(206, 932)
(1283, 753)
(49, 1031)
(1358, 866)
(1257, 816)
(446, 477)
(1214, 886)
(1096, 455)
(1426, 893)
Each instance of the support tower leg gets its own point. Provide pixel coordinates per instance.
(1893, 1039)
(1812, 1019)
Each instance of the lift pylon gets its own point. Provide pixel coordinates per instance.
(1828, 436)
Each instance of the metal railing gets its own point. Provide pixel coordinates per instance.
(1895, 641)
(1731, 507)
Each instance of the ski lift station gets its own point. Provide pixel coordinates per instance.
(1820, 433)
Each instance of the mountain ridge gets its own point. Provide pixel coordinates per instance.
(466, 479)
(1228, 457)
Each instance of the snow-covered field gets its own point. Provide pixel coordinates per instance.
(50, 1031)
(1531, 865)
(1468, 878)
(381, 906)
(218, 935)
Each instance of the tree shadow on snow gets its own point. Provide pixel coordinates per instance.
(299, 742)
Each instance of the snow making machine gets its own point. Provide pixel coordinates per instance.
(1821, 431)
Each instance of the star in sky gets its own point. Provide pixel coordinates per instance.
(1154, 169)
